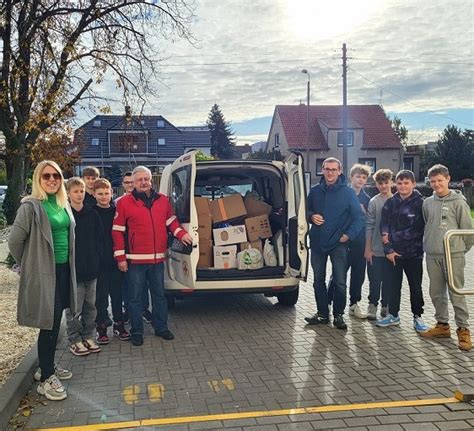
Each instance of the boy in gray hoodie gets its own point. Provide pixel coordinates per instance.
(446, 209)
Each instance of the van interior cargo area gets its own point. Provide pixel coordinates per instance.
(262, 182)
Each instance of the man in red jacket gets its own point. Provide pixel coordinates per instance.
(146, 216)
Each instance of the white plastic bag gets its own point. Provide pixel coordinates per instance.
(250, 258)
(269, 255)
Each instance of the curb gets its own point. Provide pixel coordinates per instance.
(17, 386)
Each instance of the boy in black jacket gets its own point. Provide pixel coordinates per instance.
(109, 281)
(89, 237)
(401, 228)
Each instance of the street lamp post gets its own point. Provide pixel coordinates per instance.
(305, 71)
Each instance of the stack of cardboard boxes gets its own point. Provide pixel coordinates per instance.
(238, 222)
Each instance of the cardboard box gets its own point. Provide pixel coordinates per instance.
(230, 235)
(258, 228)
(202, 205)
(225, 256)
(254, 207)
(204, 218)
(253, 244)
(227, 208)
(205, 254)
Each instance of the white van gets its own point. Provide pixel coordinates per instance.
(280, 184)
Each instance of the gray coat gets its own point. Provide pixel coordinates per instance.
(31, 245)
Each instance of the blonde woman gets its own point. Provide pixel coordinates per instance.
(42, 243)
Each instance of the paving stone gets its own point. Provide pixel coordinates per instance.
(453, 425)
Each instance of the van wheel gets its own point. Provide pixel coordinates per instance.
(171, 299)
(289, 299)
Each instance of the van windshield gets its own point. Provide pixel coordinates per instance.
(218, 191)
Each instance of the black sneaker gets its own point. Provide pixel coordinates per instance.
(165, 334)
(317, 319)
(339, 322)
(137, 339)
(147, 317)
(108, 321)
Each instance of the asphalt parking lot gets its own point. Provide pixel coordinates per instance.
(236, 354)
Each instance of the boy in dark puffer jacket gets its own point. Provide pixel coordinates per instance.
(89, 237)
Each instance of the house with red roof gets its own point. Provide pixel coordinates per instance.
(371, 139)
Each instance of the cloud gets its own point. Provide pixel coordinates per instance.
(250, 55)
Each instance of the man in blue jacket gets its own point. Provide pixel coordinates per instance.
(336, 218)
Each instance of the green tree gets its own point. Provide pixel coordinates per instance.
(56, 54)
(222, 139)
(400, 130)
(263, 155)
(455, 150)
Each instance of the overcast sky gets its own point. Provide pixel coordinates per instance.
(413, 57)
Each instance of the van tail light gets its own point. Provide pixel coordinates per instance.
(187, 291)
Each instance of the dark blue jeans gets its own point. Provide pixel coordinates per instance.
(139, 275)
(377, 272)
(338, 258)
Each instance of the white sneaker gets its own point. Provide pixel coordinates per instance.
(52, 389)
(354, 310)
(91, 345)
(372, 312)
(61, 373)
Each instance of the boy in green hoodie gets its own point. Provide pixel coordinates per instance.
(446, 209)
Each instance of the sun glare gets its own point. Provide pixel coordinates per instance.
(323, 19)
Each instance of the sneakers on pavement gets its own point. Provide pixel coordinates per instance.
(79, 349)
(464, 339)
(419, 325)
(355, 310)
(317, 319)
(136, 339)
(52, 389)
(147, 316)
(372, 312)
(165, 334)
(339, 322)
(438, 331)
(102, 337)
(61, 373)
(388, 321)
(120, 332)
(384, 311)
(92, 345)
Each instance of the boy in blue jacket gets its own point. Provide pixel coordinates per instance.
(401, 227)
(336, 218)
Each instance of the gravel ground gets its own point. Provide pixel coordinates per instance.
(16, 340)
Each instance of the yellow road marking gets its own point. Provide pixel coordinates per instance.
(156, 392)
(229, 384)
(255, 414)
(130, 394)
(214, 385)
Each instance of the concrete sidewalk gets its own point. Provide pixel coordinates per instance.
(246, 353)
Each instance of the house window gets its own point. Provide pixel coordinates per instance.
(371, 162)
(350, 139)
(95, 141)
(319, 166)
(123, 142)
(97, 123)
(161, 141)
(142, 122)
(160, 124)
(408, 163)
(277, 140)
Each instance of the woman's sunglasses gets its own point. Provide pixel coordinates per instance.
(47, 177)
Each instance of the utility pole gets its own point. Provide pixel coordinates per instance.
(344, 110)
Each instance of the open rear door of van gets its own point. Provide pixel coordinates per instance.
(297, 224)
(177, 182)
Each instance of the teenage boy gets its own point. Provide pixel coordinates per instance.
(446, 209)
(402, 228)
(377, 264)
(89, 237)
(356, 261)
(109, 281)
(336, 218)
(90, 174)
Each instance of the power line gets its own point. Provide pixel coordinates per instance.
(402, 60)
(236, 63)
(408, 101)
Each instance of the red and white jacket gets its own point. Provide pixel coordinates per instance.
(145, 229)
